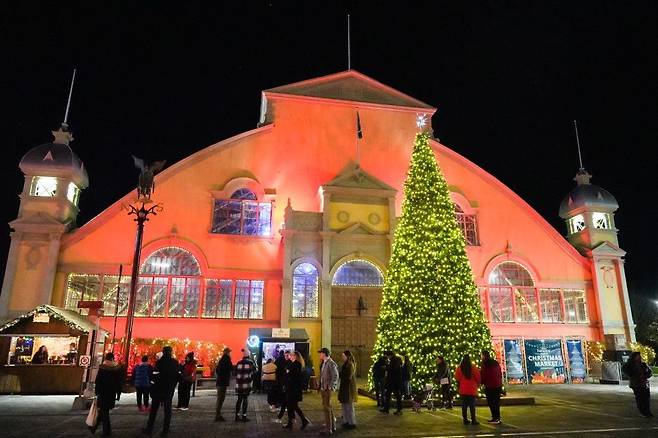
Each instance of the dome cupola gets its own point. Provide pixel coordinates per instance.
(586, 196)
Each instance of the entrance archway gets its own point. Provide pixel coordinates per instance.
(356, 295)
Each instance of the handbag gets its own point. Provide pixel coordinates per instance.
(92, 416)
(444, 381)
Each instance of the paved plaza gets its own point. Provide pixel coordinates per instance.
(560, 411)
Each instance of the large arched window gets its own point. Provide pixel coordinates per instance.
(512, 295)
(468, 225)
(242, 214)
(305, 291)
(358, 273)
(169, 285)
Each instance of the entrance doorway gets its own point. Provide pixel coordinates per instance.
(356, 297)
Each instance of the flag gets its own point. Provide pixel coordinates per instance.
(359, 133)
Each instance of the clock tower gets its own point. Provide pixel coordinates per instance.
(589, 214)
(54, 178)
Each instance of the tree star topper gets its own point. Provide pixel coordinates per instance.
(421, 121)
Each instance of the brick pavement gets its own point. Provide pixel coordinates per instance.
(563, 410)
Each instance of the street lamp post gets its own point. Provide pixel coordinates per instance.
(141, 216)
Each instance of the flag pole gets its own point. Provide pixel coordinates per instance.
(358, 136)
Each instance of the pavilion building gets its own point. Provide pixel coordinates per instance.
(290, 225)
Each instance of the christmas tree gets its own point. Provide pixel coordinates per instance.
(430, 304)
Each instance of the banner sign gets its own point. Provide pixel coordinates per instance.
(514, 362)
(280, 332)
(41, 317)
(544, 361)
(577, 368)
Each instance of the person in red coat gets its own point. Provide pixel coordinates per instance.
(468, 377)
(492, 379)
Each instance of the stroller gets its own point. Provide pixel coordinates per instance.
(426, 396)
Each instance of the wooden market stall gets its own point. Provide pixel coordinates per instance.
(40, 351)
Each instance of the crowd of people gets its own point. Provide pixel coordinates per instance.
(284, 380)
(392, 378)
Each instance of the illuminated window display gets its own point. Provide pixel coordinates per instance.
(305, 291)
(242, 214)
(43, 350)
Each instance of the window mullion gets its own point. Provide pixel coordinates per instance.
(242, 211)
(539, 312)
(563, 306)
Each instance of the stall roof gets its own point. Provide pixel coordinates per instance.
(70, 317)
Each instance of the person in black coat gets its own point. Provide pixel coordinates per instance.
(639, 374)
(393, 383)
(223, 370)
(295, 389)
(108, 387)
(282, 366)
(165, 377)
(378, 375)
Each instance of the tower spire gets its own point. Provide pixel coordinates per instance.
(349, 44)
(63, 135)
(580, 156)
(582, 177)
(68, 102)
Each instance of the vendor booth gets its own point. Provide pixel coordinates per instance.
(265, 343)
(41, 351)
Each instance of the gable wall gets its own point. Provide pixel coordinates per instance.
(307, 146)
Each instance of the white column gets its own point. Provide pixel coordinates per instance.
(10, 273)
(326, 290)
(50, 270)
(623, 289)
(286, 293)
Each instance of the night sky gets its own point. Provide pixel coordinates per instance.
(162, 81)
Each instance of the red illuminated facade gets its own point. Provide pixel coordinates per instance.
(290, 225)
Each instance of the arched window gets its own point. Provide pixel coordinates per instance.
(512, 295)
(242, 214)
(305, 291)
(358, 273)
(169, 282)
(468, 224)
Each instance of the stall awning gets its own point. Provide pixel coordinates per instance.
(70, 317)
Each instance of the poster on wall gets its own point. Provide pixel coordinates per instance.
(514, 362)
(544, 361)
(577, 368)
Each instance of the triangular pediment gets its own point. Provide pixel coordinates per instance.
(358, 228)
(355, 177)
(607, 249)
(351, 86)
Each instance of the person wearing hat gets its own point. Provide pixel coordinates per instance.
(223, 370)
(328, 384)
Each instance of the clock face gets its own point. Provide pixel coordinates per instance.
(45, 186)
